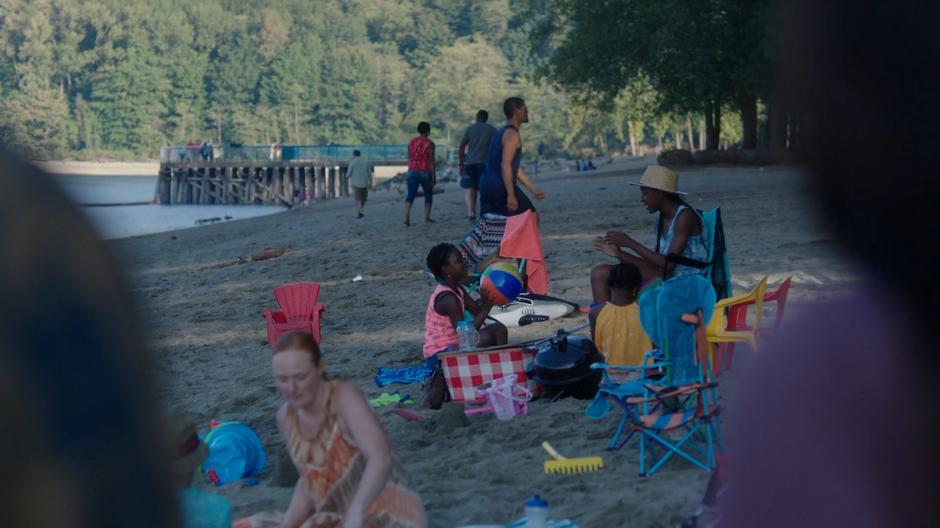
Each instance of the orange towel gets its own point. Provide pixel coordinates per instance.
(522, 240)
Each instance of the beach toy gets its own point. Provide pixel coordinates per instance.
(504, 398)
(390, 399)
(529, 308)
(569, 466)
(501, 282)
(235, 452)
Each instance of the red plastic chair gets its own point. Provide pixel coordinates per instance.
(299, 310)
(737, 320)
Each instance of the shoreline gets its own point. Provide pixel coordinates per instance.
(152, 168)
(100, 168)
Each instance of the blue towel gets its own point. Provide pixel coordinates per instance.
(416, 374)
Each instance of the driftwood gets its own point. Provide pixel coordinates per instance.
(268, 253)
(265, 254)
(227, 263)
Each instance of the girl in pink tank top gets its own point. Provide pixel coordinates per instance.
(448, 303)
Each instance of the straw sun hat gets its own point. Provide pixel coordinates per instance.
(661, 179)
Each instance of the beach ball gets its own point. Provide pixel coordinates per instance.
(501, 282)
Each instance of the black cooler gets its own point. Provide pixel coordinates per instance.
(562, 367)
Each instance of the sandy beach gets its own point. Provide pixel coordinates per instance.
(101, 168)
(200, 300)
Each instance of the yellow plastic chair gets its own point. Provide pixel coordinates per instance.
(717, 332)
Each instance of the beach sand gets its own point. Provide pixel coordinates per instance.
(200, 305)
(101, 168)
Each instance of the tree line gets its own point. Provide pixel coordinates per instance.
(121, 79)
(669, 61)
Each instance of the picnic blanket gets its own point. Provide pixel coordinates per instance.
(465, 371)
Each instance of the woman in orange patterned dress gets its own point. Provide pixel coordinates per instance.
(348, 477)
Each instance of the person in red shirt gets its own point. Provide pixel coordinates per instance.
(421, 171)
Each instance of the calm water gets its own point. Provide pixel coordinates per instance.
(132, 220)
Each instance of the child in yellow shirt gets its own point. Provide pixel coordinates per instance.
(616, 325)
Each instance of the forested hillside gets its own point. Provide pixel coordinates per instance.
(123, 78)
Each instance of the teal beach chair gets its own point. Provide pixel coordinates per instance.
(715, 267)
(673, 406)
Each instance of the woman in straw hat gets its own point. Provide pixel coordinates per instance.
(679, 232)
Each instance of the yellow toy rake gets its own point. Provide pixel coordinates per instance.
(568, 466)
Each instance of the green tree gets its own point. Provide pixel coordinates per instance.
(185, 102)
(35, 123)
(418, 31)
(290, 87)
(271, 34)
(347, 103)
(547, 113)
(468, 76)
(634, 105)
(395, 93)
(699, 56)
(231, 82)
(128, 98)
(91, 77)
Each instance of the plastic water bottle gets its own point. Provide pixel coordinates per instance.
(536, 512)
(467, 335)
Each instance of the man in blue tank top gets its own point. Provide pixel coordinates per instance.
(499, 186)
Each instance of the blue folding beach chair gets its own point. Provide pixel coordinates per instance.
(715, 267)
(718, 270)
(672, 406)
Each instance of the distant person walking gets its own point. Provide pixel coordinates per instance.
(472, 155)
(206, 151)
(360, 177)
(421, 171)
(192, 149)
(499, 187)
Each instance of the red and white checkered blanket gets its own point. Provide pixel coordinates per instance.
(465, 371)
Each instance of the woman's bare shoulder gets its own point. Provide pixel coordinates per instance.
(346, 392)
(689, 221)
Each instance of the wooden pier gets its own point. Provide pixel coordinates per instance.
(255, 182)
(312, 173)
